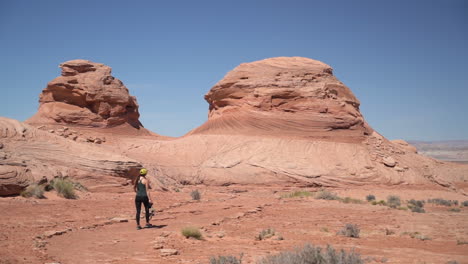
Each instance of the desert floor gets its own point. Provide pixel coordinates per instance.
(229, 218)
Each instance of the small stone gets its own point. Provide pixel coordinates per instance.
(389, 162)
(1, 145)
(168, 252)
(97, 141)
(399, 169)
(157, 246)
(119, 220)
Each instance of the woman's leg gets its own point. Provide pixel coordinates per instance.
(147, 207)
(138, 210)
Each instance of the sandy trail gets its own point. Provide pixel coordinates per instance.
(229, 218)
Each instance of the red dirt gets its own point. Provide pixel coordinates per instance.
(229, 218)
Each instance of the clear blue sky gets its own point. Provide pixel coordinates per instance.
(406, 61)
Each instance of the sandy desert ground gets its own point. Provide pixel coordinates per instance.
(229, 218)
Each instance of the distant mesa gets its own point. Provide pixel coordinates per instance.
(86, 94)
(284, 97)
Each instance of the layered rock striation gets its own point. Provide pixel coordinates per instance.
(86, 94)
(284, 97)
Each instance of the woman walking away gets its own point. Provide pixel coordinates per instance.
(141, 187)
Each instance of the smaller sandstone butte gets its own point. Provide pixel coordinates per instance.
(86, 94)
(284, 97)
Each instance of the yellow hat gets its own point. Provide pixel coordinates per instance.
(143, 171)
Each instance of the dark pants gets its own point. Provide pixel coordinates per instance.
(138, 201)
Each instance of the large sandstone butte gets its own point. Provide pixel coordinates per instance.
(86, 94)
(285, 97)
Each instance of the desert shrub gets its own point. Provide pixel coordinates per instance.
(266, 233)
(452, 262)
(64, 188)
(191, 232)
(297, 194)
(393, 201)
(350, 230)
(440, 201)
(195, 195)
(313, 255)
(226, 260)
(351, 200)
(465, 203)
(462, 242)
(33, 190)
(326, 195)
(370, 197)
(416, 206)
(78, 186)
(418, 203)
(456, 210)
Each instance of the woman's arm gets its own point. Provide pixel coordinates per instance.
(148, 190)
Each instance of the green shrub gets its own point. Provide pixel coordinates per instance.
(310, 254)
(64, 188)
(226, 260)
(326, 195)
(416, 206)
(195, 195)
(350, 230)
(297, 194)
(465, 203)
(34, 190)
(416, 209)
(265, 234)
(370, 197)
(456, 210)
(191, 232)
(417, 203)
(393, 201)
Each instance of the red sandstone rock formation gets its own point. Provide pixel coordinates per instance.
(86, 94)
(284, 97)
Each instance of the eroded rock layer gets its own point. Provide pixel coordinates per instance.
(30, 155)
(86, 94)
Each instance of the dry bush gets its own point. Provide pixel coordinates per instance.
(370, 197)
(440, 201)
(226, 260)
(310, 254)
(297, 194)
(265, 234)
(195, 195)
(393, 201)
(350, 230)
(352, 200)
(326, 195)
(33, 190)
(64, 188)
(191, 232)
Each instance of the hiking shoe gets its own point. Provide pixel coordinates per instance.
(138, 227)
(148, 225)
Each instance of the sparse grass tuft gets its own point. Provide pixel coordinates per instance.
(226, 260)
(326, 195)
(191, 232)
(33, 190)
(195, 195)
(297, 194)
(456, 210)
(393, 201)
(64, 188)
(370, 197)
(313, 255)
(352, 200)
(350, 230)
(265, 234)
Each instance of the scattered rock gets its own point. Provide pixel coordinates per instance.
(389, 161)
(1, 145)
(119, 220)
(399, 169)
(168, 252)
